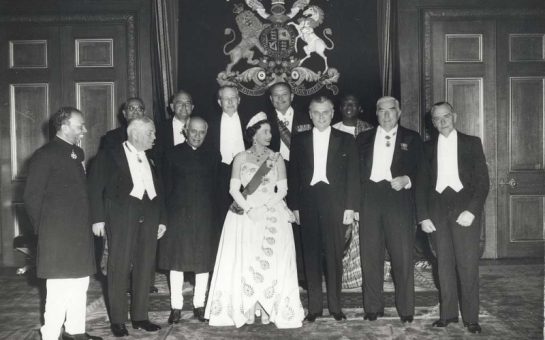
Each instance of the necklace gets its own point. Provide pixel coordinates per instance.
(258, 155)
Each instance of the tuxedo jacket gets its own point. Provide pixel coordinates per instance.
(472, 170)
(301, 122)
(341, 170)
(110, 183)
(407, 160)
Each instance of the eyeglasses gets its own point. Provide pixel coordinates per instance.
(183, 104)
(136, 108)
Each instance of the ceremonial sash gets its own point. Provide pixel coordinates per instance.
(285, 134)
(255, 182)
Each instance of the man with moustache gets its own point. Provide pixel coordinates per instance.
(323, 197)
(391, 162)
(226, 136)
(55, 190)
(126, 195)
(285, 124)
(191, 241)
(456, 192)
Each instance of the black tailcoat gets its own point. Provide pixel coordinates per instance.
(191, 240)
(57, 203)
(388, 220)
(321, 208)
(301, 122)
(457, 247)
(131, 225)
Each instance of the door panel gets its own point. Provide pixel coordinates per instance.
(42, 67)
(521, 163)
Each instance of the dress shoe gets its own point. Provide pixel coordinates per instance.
(175, 316)
(311, 317)
(199, 314)
(372, 316)
(473, 327)
(339, 316)
(153, 289)
(119, 330)
(82, 336)
(407, 318)
(444, 323)
(145, 325)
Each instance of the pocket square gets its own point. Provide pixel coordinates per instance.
(404, 146)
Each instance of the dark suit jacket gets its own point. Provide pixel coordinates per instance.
(57, 203)
(472, 170)
(301, 122)
(407, 160)
(113, 137)
(341, 170)
(110, 184)
(164, 136)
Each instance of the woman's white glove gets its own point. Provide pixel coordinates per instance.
(281, 192)
(234, 190)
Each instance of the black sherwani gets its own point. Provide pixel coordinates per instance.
(131, 226)
(191, 240)
(388, 220)
(321, 209)
(457, 247)
(57, 203)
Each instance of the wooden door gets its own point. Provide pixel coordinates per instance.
(43, 66)
(521, 163)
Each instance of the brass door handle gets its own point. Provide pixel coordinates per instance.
(512, 182)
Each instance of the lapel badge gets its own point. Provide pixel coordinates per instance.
(404, 146)
(73, 155)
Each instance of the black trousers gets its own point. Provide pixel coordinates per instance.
(322, 234)
(297, 240)
(387, 221)
(132, 237)
(458, 251)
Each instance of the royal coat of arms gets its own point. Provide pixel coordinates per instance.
(268, 50)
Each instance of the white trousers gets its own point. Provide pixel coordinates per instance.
(176, 287)
(65, 299)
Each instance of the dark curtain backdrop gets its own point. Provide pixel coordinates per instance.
(355, 56)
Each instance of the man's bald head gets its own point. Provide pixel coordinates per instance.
(196, 131)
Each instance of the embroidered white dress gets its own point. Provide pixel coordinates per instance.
(256, 263)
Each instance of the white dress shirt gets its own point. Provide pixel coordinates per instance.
(287, 119)
(177, 131)
(383, 152)
(320, 146)
(447, 163)
(142, 179)
(231, 141)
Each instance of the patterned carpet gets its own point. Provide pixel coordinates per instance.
(511, 308)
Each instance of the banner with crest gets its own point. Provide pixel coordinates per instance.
(273, 45)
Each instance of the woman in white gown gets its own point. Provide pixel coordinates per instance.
(255, 263)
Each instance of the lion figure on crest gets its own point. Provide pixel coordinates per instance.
(250, 28)
(313, 17)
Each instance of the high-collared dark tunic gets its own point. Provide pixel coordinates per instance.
(191, 240)
(57, 204)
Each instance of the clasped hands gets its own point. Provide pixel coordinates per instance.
(99, 229)
(465, 219)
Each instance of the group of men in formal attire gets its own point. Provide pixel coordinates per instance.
(136, 193)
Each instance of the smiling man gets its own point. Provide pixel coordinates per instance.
(391, 162)
(190, 244)
(55, 190)
(323, 197)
